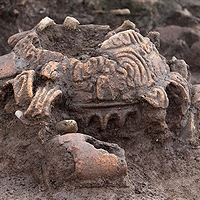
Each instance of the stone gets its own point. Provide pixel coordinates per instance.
(67, 126)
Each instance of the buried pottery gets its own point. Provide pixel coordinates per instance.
(70, 76)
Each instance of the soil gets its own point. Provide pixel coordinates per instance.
(157, 169)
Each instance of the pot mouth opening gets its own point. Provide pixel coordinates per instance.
(80, 43)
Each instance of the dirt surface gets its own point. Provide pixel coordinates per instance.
(158, 169)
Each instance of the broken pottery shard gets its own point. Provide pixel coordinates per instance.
(71, 23)
(44, 23)
(93, 158)
(23, 87)
(41, 102)
(180, 66)
(7, 66)
(80, 158)
(127, 25)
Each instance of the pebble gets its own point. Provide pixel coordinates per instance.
(67, 126)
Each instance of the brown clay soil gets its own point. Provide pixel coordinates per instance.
(157, 169)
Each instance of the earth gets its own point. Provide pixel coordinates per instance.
(157, 170)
